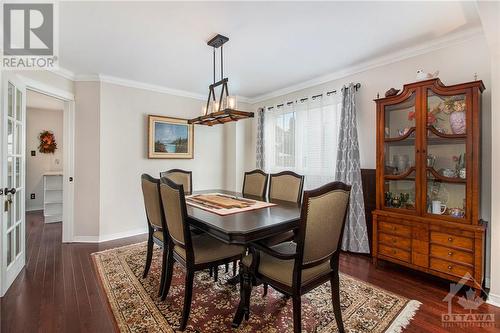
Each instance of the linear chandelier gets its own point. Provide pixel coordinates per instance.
(224, 109)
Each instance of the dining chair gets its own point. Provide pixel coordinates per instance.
(193, 252)
(284, 186)
(295, 268)
(180, 176)
(156, 223)
(255, 183)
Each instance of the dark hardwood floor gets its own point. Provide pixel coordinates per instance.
(58, 290)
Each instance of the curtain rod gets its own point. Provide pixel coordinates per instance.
(328, 93)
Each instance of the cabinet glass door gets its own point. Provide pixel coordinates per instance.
(446, 155)
(399, 154)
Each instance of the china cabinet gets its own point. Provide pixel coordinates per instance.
(428, 181)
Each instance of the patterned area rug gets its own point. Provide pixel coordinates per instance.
(137, 308)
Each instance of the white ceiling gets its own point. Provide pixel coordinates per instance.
(40, 101)
(272, 45)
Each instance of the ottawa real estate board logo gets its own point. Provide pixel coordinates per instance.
(29, 36)
(469, 302)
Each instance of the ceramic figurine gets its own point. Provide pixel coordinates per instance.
(421, 75)
(462, 173)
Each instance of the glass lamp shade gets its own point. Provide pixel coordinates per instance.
(231, 102)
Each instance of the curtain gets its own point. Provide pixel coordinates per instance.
(348, 171)
(260, 140)
(302, 137)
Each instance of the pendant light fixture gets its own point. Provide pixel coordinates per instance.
(224, 109)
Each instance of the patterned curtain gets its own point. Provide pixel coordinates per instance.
(260, 140)
(348, 171)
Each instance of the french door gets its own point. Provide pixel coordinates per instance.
(12, 171)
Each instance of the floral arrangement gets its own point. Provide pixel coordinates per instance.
(48, 143)
(454, 106)
(432, 117)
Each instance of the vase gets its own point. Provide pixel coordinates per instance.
(457, 122)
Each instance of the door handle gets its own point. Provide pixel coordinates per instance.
(1, 191)
(11, 191)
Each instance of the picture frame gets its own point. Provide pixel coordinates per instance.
(170, 137)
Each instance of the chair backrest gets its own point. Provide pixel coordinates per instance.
(323, 217)
(179, 176)
(255, 183)
(152, 201)
(174, 206)
(286, 186)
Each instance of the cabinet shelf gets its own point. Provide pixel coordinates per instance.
(445, 179)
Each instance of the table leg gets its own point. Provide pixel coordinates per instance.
(245, 293)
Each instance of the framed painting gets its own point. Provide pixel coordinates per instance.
(170, 138)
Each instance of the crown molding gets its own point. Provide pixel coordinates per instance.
(429, 46)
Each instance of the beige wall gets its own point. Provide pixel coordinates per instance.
(87, 172)
(123, 153)
(38, 120)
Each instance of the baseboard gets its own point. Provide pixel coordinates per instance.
(493, 300)
(110, 237)
(124, 234)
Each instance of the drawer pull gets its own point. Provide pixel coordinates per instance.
(450, 253)
(450, 239)
(450, 267)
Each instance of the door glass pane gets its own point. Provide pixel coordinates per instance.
(19, 139)
(446, 114)
(400, 118)
(10, 101)
(17, 204)
(10, 212)
(18, 240)
(400, 193)
(10, 241)
(10, 137)
(19, 103)
(18, 172)
(10, 172)
(445, 198)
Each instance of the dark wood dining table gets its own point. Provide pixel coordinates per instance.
(248, 226)
(245, 227)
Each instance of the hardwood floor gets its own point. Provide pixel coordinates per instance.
(58, 290)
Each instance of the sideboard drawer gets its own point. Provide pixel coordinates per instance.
(452, 240)
(396, 241)
(395, 229)
(449, 267)
(395, 253)
(451, 254)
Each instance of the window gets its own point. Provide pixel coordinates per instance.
(302, 137)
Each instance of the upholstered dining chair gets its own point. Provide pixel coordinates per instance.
(295, 268)
(255, 183)
(156, 223)
(180, 177)
(284, 186)
(193, 252)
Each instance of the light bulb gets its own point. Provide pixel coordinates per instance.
(231, 102)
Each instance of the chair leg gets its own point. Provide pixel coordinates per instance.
(227, 267)
(335, 285)
(265, 290)
(164, 263)
(297, 325)
(188, 293)
(216, 273)
(211, 271)
(245, 294)
(168, 275)
(149, 256)
(234, 267)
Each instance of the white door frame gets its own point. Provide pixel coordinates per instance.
(69, 145)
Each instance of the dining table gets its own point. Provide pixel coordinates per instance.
(245, 227)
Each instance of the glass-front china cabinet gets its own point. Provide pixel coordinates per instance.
(428, 165)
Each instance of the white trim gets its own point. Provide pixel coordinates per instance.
(493, 300)
(410, 52)
(429, 46)
(110, 237)
(47, 89)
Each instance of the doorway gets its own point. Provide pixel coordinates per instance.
(44, 195)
